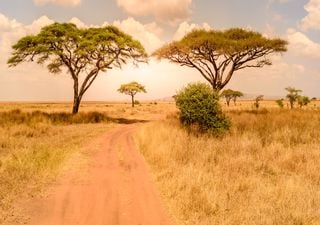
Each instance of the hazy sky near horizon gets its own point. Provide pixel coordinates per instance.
(155, 22)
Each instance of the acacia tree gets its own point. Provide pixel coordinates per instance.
(132, 89)
(292, 96)
(83, 52)
(257, 101)
(217, 55)
(235, 95)
(228, 95)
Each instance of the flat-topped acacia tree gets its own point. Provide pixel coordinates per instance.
(217, 55)
(229, 95)
(132, 89)
(83, 52)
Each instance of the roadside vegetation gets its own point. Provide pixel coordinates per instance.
(264, 171)
(38, 140)
(34, 147)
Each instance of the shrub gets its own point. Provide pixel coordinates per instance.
(136, 102)
(199, 107)
(280, 103)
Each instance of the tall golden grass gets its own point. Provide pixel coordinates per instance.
(265, 171)
(34, 147)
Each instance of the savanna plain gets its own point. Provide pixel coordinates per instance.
(264, 171)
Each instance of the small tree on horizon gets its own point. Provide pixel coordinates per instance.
(236, 94)
(83, 52)
(132, 89)
(292, 96)
(217, 55)
(229, 95)
(257, 101)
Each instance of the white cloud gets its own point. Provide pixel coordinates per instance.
(77, 22)
(185, 28)
(300, 44)
(58, 2)
(168, 11)
(141, 32)
(36, 25)
(312, 20)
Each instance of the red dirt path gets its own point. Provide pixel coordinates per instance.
(118, 190)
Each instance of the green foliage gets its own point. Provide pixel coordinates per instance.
(229, 95)
(303, 101)
(280, 103)
(257, 100)
(218, 54)
(132, 89)
(199, 106)
(136, 102)
(292, 96)
(81, 51)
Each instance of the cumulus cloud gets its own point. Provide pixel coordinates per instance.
(300, 44)
(312, 20)
(58, 2)
(167, 11)
(186, 27)
(146, 34)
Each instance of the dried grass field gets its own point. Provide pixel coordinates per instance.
(264, 171)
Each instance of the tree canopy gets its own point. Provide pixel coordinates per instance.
(132, 89)
(293, 95)
(229, 95)
(81, 51)
(218, 54)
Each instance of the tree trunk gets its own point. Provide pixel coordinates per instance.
(132, 100)
(76, 97)
(76, 105)
(228, 102)
(291, 104)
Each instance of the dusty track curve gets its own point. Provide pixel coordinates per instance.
(118, 190)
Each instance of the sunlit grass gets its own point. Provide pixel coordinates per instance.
(35, 145)
(264, 172)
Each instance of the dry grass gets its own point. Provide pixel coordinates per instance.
(264, 172)
(37, 139)
(34, 147)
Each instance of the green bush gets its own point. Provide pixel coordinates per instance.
(199, 108)
(136, 102)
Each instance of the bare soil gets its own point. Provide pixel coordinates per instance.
(116, 189)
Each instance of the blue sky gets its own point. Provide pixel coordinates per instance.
(154, 23)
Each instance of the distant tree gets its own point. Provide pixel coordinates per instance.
(314, 99)
(303, 100)
(83, 52)
(257, 101)
(132, 89)
(236, 94)
(228, 95)
(280, 103)
(217, 55)
(292, 96)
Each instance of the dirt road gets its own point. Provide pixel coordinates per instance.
(117, 190)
